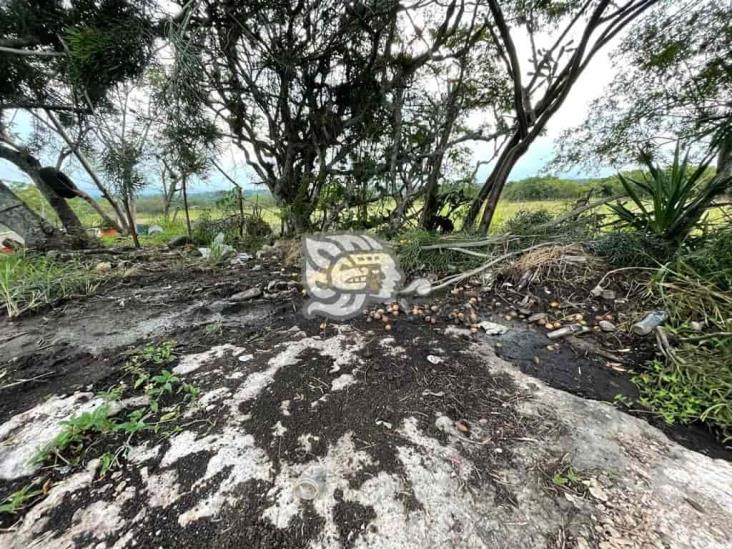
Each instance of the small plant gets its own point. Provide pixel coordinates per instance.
(565, 477)
(678, 197)
(219, 250)
(159, 354)
(76, 431)
(561, 475)
(19, 500)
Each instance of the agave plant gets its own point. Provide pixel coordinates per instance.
(669, 202)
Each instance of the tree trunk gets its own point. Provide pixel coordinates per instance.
(36, 231)
(185, 206)
(131, 220)
(485, 190)
(31, 166)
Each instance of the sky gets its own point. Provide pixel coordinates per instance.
(589, 86)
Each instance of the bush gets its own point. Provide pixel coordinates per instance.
(631, 249)
(205, 229)
(413, 258)
(526, 221)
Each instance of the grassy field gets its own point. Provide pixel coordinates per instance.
(150, 213)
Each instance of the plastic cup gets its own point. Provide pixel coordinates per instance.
(311, 483)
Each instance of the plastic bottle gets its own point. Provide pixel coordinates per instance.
(651, 321)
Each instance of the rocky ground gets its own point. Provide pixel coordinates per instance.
(429, 435)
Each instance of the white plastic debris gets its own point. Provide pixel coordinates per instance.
(491, 328)
(311, 483)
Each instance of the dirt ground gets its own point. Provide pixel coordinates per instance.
(429, 435)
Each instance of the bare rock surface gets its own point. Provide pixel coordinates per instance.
(428, 439)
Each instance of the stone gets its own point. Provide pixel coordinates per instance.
(606, 326)
(246, 295)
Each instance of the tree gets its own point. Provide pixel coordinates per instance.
(124, 131)
(304, 87)
(62, 57)
(580, 30)
(674, 86)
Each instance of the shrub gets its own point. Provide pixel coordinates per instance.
(206, 229)
(631, 249)
(525, 221)
(678, 197)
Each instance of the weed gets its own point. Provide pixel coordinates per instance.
(695, 384)
(561, 475)
(75, 432)
(159, 354)
(28, 282)
(19, 500)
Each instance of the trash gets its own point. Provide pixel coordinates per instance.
(606, 326)
(311, 483)
(142, 230)
(597, 291)
(154, 229)
(491, 328)
(245, 358)
(218, 251)
(427, 392)
(568, 330)
(107, 232)
(384, 423)
(432, 359)
(251, 293)
(103, 267)
(651, 321)
(240, 258)
(608, 295)
(696, 326)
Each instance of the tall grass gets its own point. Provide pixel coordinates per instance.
(695, 383)
(28, 282)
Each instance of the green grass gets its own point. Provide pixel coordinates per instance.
(694, 383)
(29, 282)
(19, 500)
